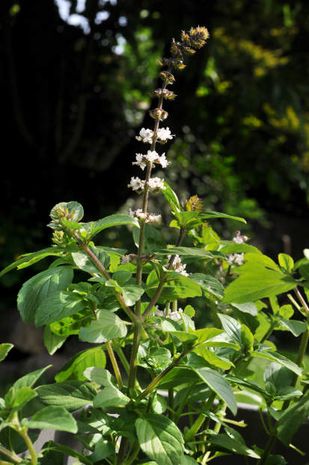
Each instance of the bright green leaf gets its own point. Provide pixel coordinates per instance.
(75, 368)
(160, 439)
(107, 326)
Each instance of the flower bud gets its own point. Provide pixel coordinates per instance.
(158, 114)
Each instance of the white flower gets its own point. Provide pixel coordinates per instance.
(145, 135)
(239, 238)
(236, 259)
(136, 184)
(178, 266)
(140, 161)
(163, 134)
(163, 161)
(176, 315)
(147, 217)
(155, 183)
(152, 156)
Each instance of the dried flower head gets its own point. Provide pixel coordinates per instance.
(194, 203)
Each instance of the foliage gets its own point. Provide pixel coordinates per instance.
(156, 388)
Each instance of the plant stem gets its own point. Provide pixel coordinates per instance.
(123, 359)
(114, 363)
(302, 301)
(151, 386)
(10, 454)
(22, 431)
(216, 430)
(134, 351)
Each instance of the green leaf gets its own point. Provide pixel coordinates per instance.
(31, 378)
(83, 262)
(71, 395)
(160, 439)
(75, 210)
(187, 252)
(57, 418)
(232, 445)
(209, 284)
(219, 385)
(265, 354)
(294, 326)
(67, 452)
(4, 350)
(119, 219)
(177, 287)
(110, 397)
(107, 326)
(75, 368)
(258, 278)
(292, 419)
(58, 305)
(171, 198)
(211, 214)
(29, 259)
(102, 449)
(17, 397)
(132, 294)
(99, 375)
(286, 262)
(37, 289)
(206, 355)
(52, 341)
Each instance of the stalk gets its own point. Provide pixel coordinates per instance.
(114, 363)
(9, 454)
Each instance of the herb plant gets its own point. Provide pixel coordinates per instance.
(159, 386)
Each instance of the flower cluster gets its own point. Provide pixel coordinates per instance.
(236, 259)
(147, 135)
(146, 217)
(151, 157)
(177, 265)
(240, 238)
(138, 185)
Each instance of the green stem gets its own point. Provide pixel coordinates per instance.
(22, 431)
(151, 386)
(114, 363)
(10, 454)
(216, 430)
(133, 361)
(123, 359)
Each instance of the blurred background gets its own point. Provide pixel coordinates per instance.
(75, 87)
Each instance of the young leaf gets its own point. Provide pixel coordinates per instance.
(38, 288)
(286, 262)
(75, 368)
(294, 326)
(4, 350)
(160, 439)
(17, 397)
(219, 385)
(107, 326)
(171, 198)
(51, 417)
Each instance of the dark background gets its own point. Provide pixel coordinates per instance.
(75, 85)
